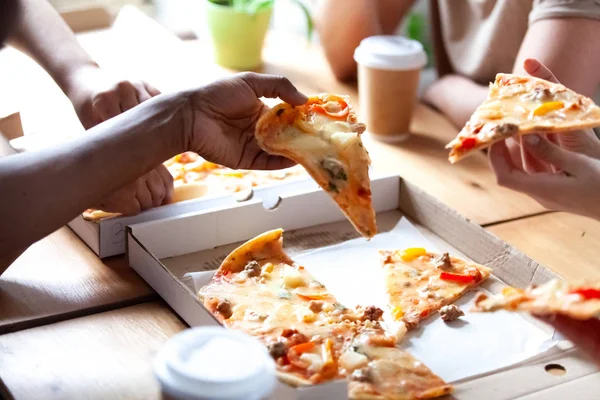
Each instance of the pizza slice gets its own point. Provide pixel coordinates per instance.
(578, 300)
(376, 369)
(323, 136)
(419, 283)
(518, 105)
(313, 339)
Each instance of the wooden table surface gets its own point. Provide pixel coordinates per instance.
(88, 328)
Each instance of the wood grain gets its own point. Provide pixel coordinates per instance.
(102, 356)
(60, 277)
(567, 244)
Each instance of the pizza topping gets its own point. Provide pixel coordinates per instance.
(292, 277)
(540, 94)
(334, 169)
(397, 313)
(450, 313)
(352, 360)
(315, 306)
(255, 317)
(468, 143)
(252, 269)
(507, 129)
(445, 276)
(284, 295)
(443, 261)
(412, 253)
(381, 341)
(372, 313)
(295, 352)
(547, 107)
(224, 308)
(426, 292)
(277, 349)
(362, 375)
(588, 294)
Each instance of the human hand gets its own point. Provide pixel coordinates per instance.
(581, 141)
(224, 115)
(575, 187)
(583, 334)
(151, 190)
(97, 95)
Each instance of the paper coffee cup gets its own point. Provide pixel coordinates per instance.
(214, 363)
(388, 79)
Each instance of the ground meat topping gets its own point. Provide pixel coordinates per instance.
(252, 269)
(372, 313)
(315, 306)
(361, 375)
(443, 261)
(507, 129)
(224, 308)
(277, 349)
(451, 312)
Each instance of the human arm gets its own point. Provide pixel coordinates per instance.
(43, 190)
(342, 24)
(568, 47)
(96, 94)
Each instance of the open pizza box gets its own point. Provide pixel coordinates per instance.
(485, 355)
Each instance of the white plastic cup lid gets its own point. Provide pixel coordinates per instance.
(390, 52)
(214, 363)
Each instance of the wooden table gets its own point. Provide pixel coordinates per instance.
(75, 326)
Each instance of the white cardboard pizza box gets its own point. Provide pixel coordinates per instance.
(107, 237)
(163, 251)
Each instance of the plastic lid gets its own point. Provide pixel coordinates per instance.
(390, 52)
(214, 363)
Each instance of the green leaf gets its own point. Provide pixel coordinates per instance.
(226, 3)
(255, 6)
(309, 20)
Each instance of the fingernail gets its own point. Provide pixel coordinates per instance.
(532, 140)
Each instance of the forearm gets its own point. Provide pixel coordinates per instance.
(342, 24)
(43, 190)
(569, 48)
(456, 97)
(42, 34)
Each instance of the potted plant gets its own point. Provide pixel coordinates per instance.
(238, 29)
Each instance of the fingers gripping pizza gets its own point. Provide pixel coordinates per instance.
(578, 300)
(312, 337)
(420, 283)
(518, 105)
(324, 137)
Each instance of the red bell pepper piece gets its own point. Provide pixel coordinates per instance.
(446, 276)
(588, 293)
(468, 143)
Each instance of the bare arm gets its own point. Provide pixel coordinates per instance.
(41, 33)
(342, 24)
(569, 47)
(43, 190)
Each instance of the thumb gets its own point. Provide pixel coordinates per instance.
(543, 150)
(273, 86)
(538, 70)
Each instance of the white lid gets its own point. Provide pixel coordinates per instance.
(390, 52)
(214, 363)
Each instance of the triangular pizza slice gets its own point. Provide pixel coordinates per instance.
(420, 282)
(323, 136)
(518, 105)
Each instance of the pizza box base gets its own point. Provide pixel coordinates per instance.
(154, 248)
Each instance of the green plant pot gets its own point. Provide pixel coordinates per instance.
(237, 36)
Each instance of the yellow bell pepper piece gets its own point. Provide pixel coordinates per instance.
(412, 253)
(548, 107)
(397, 313)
